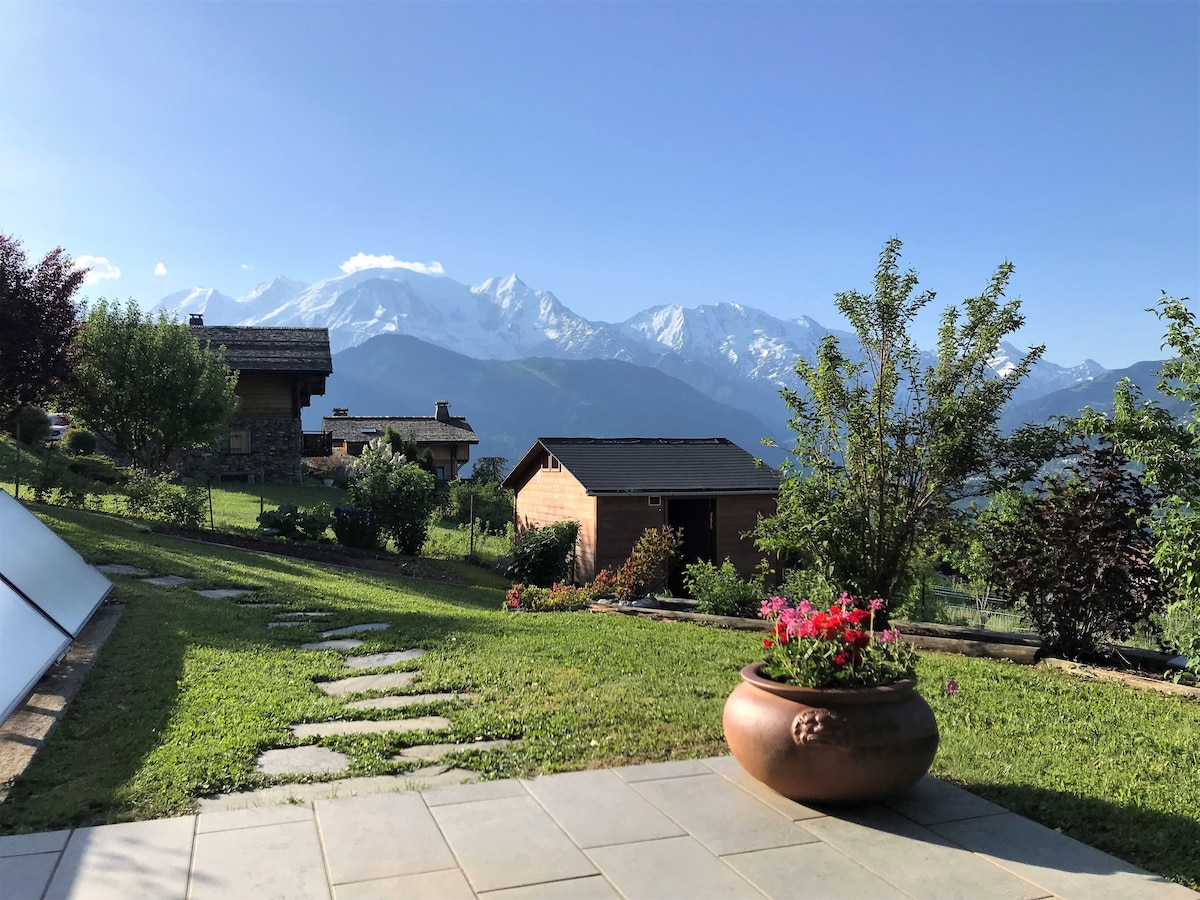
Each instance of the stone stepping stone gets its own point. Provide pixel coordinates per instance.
(120, 569)
(402, 700)
(284, 624)
(167, 580)
(421, 779)
(360, 683)
(302, 761)
(344, 726)
(250, 604)
(224, 593)
(343, 644)
(355, 629)
(306, 615)
(434, 751)
(379, 660)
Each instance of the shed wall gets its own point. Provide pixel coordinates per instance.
(555, 495)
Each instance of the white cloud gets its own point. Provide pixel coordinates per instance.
(364, 261)
(246, 267)
(160, 269)
(100, 268)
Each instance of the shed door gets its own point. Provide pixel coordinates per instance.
(697, 516)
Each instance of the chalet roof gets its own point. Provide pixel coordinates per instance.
(652, 466)
(252, 349)
(422, 429)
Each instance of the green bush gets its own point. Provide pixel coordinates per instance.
(33, 424)
(721, 591)
(1180, 627)
(543, 556)
(291, 522)
(645, 572)
(401, 494)
(100, 470)
(356, 528)
(492, 505)
(78, 442)
(155, 497)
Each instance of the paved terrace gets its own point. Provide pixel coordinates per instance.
(691, 829)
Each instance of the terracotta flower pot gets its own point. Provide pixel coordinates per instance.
(830, 745)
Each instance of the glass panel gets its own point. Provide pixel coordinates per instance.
(29, 645)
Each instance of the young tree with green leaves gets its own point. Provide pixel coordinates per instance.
(885, 443)
(149, 383)
(401, 495)
(38, 321)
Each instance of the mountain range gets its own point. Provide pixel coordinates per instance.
(736, 356)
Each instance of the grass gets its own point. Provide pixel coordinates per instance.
(189, 691)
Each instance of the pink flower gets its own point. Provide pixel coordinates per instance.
(889, 635)
(951, 688)
(876, 605)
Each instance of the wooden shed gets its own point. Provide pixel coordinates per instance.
(279, 370)
(616, 488)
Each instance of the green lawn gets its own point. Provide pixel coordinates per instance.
(188, 692)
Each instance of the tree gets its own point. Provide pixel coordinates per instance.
(150, 384)
(886, 444)
(38, 321)
(489, 470)
(405, 446)
(400, 494)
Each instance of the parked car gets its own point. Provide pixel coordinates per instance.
(59, 422)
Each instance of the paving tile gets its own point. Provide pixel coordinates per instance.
(674, 867)
(167, 580)
(302, 760)
(402, 700)
(301, 795)
(730, 768)
(449, 884)
(253, 818)
(345, 726)
(915, 859)
(820, 869)
(380, 836)
(932, 800)
(268, 861)
(42, 842)
(132, 859)
(705, 805)
(1056, 862)
(224, 593)
(26, 876)
(355, 629)
(508, 843)
(473, 793)
(342, 644)
(594, 887)
(119, 569)
(379, 660)
(434, 751)
(358, 684)
(678, 768)
(597, 808)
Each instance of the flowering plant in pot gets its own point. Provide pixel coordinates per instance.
(831, 716)
(838, 647)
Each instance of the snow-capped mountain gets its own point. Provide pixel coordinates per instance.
(734, 353)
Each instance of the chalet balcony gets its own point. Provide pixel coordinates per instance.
(316, 443)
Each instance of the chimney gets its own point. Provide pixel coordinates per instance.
(195, 319)
(341, 411)
(443, 411)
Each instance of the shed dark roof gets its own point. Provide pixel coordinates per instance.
(422, 429)
(252, 349)
(653, 466)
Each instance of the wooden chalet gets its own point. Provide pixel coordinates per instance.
(448, 438)
(279, 370)
(616, 488)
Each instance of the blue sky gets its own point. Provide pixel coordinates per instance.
(622, 155)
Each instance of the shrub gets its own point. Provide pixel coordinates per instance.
(645, 572)
(401, 494)
(543, 556)
(1180, 627)
(78, 442)
(34, 425)
(493, 505)
(557, 597)
(1075, 555)
(100, 470)
(356, 528)
(290, 522)
(721, 591)
(155, 497)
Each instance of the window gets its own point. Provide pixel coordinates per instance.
(654, 500)
(554, 464)
(441, 473)
(239, 440)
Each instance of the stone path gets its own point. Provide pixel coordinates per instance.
(224, 593)
(342, 644)
(302, 760)
(167, 580)
(437, 751)
(399, 701)
(119, 569)
(355, 629)
(359, 684)
(379, 660)
(370, 726)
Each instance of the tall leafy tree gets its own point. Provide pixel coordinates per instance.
(885, 442)
(38, 320)
(149, 383)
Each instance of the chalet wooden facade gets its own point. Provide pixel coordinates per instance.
(449, 438)
(279, 370)
(616, 488)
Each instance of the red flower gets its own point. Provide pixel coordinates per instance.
(766, 642)
(840, 660)
(860, 640)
